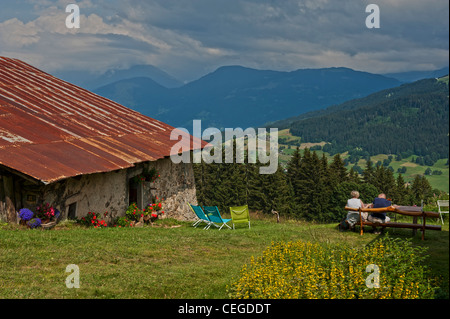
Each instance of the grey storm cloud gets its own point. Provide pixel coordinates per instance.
(189, 38)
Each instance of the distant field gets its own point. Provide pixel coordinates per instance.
(440, 182)
(444, 79)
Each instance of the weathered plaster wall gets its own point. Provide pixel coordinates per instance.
(108, 192)
(100, 193)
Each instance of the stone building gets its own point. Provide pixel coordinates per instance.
(80, 152)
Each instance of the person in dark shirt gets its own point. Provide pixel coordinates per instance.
(379, 202)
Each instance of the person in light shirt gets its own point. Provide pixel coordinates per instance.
(355, 202)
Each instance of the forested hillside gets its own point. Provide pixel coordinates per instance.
(310, 188)
(412, 118)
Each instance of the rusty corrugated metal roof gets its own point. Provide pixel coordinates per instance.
(52, 130)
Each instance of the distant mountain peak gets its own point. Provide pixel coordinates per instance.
(93, 81)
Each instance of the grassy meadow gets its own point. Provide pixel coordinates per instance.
(162, 262)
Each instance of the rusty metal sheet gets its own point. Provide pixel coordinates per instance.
(52, 130)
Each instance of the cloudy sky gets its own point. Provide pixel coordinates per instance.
(189, 38)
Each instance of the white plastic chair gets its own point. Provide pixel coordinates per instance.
(442, 203)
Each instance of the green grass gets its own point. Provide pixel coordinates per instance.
(172, 263)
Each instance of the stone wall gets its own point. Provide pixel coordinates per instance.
(177, 186)
(109, 192)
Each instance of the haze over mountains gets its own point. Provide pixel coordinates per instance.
(236, 96)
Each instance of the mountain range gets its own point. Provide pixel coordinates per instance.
(235, 96)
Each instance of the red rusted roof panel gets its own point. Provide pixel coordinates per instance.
(52, 130)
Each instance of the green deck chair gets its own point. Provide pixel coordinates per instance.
(240, 214)
(214, 216)
(201, 216)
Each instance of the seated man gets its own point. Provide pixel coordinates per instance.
(379, 202)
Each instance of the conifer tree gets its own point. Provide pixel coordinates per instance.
(421, 189)
(338, 170)
(401, 191)
(368, 173)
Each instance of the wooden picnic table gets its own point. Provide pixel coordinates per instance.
(412, 211)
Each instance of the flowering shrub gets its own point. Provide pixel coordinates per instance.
(93, 220)
(154, 209)
(123, 222)
(309, 271)
(133, 213)
(34, 223)
(26, 214)
(45, 211)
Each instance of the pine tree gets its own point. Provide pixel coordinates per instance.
(293, 166)
(368, 173)
(401, 192)
(338, 169)
(384, 180)
(353, 176)
(421, 189)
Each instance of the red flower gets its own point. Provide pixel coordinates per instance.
(154, 215)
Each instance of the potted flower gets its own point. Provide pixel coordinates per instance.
(45, 212)
(34, 223)
(25, 215)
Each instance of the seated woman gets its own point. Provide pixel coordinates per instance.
(355, 202)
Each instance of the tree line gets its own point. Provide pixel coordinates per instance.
(309, 187)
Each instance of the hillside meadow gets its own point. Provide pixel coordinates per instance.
(164, 262)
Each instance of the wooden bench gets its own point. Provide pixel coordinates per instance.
(413, 211)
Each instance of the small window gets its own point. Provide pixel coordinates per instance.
(72, 214)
